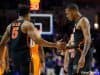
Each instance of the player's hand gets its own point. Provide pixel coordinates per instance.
(61, 45)
(81, 63)
(65, 70)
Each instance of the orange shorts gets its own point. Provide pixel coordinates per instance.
(35, 60)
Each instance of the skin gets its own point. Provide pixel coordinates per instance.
(42, 59)
(84, 26)
(66, 61)
(28, 28)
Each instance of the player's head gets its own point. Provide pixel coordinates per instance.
(23, 10)
(71, 11)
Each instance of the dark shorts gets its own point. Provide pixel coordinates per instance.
(19, 65)
(73, 63)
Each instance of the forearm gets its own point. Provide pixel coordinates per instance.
(87, 45)
(66, 59)
(42, 55)
(45, 43)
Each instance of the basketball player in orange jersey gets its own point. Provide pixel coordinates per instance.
(37, 56)
(2, 69)
(17, 33)
(5, 62)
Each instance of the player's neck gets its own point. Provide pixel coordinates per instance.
(22, 18)
(78, 16)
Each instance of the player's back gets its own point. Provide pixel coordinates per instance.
(18, 46)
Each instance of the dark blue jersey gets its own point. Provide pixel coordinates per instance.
(18, 46)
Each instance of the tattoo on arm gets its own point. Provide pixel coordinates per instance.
(85, 50)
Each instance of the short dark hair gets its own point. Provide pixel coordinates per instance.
(23, 10)
(73, 6)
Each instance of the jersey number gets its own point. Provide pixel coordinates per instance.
(32, 43)
(15, 31)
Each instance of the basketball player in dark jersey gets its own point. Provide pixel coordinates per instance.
(17, 33)
(81, 32)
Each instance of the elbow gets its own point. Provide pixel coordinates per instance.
(38, 41)
(88, 41)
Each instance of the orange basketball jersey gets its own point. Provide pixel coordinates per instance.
(35, 59)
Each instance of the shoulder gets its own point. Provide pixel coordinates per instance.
(84, 20)
(84, 23)
(27, 25)
(8, 28)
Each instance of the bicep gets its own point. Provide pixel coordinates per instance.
(33, 33)
(86, 29)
